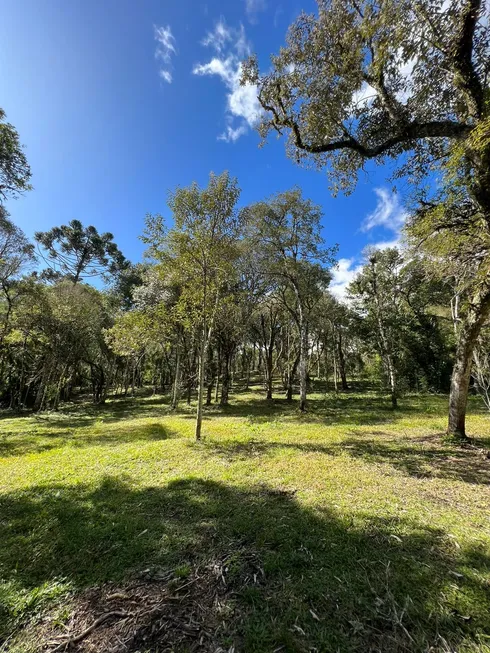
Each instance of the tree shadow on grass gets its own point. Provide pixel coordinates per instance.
(425, 457)
(59, 434)
(418, 457)
(343, 409)
(85, 412)
(326, 582)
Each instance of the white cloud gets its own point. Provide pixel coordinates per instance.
(345, 272)
(242, 106)
(230, 135)
(364, 96)
(277, 15)
(253, 7)
(165, 50)
(386, 244)
(219, 37)
(166, 75)
(389, 212)
(390, 215)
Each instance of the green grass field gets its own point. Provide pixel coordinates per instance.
(350, 528)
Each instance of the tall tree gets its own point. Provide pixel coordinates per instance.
(77, 252)
(367, 80)
(16, 253)
(201, 247)
(15, 173)
(286, 230)
(377, 289)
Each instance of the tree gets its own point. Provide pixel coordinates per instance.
(16, 253)
(377, 288)
(55, 338)
(266, 327)
(331, 323)
(481, 368)
(286, 231)
(201, 249)
(15, 172)
(77, 252)
(367, 80)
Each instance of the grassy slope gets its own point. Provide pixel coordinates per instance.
(366, 531)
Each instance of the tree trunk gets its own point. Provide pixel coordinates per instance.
(41, 390)
(343, 375)
(392, 379)
(247, 375)
(290, 379)
(225, 381)
(176, 388)
(218, 376)
(209, 393)
(268, 380)
(303, 354)
(211, 373)
(460, 380)
(200, 388)
(386, 350)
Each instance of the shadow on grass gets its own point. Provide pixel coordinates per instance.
(340, 409)
(59, 433)
(425, 458)
(328, 582)
(422, 458)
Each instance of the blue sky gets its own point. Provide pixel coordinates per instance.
(118, 101)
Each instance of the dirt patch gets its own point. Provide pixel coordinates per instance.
(158, 612)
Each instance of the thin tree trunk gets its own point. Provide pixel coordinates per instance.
(385, 345)
(210, 377)
(469, 331)
(392, 379)
(343, 375)
(247, 377)
(200, 389)
(303, 353)
(218, 376)
(176, 388)
(269, 378)
(225, 382)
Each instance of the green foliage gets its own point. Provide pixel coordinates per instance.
(340, 93)
(15, 173)
(77, 252)
(199, 251)
(412, 308)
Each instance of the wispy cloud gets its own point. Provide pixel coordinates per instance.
(166, 75)
(230, 135)
(389, 212)
(388, 215)
(231, 47)
(277, 14)
(253, 8)
(165, 50)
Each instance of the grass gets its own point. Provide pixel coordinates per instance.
(350, 528)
